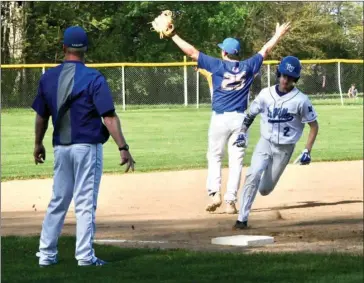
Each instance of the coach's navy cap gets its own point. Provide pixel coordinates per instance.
(230, 46)
(75, 37)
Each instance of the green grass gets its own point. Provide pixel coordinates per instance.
(335, 100)
(19, 264)
(175, 138)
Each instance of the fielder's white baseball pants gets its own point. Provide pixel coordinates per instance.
(224, 129)
(77, 174)
(267, 165)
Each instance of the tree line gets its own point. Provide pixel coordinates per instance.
(32, 32)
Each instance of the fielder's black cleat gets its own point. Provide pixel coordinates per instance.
(240, 225)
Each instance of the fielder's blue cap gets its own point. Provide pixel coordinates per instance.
(230, 46)
(75, 37)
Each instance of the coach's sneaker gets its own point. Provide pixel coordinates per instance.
(231, 208)
(46, 262)
(240, 225)
(95, 262)
(215, 202)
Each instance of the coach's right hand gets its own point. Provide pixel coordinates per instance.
(127, 159)
(241, 141)
(39, 154)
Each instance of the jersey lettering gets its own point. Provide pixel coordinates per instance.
(279, 115)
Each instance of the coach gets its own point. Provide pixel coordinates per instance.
(77, 98)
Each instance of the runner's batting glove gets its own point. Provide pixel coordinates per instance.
(241, 141)
(305, 158)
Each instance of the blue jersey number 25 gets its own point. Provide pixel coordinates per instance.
(233, 81)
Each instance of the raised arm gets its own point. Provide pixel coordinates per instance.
(187, 48)
(208, 63)
(281, 30)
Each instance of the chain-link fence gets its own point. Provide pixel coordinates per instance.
(180, 85)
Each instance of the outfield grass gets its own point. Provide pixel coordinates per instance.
(19, 264)
(165, 139)
(337, 101)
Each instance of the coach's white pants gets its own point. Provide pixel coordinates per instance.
(224, 129)
(77, 174)
(267, 165)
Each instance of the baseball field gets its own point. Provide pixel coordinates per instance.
(315, 213)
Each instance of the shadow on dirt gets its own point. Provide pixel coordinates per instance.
(307, 204)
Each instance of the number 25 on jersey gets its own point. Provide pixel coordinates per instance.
(233, 81)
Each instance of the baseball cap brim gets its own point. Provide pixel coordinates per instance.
(221, 46)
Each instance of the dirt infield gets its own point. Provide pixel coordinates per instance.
(313, 208)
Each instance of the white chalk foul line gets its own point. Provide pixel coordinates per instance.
(129, 241)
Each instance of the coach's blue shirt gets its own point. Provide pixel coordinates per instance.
(231, 81)
(82, 122)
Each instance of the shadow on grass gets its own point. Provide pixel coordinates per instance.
(19, 264)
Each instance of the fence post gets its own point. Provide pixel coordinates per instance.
(339, 82)
(197, 89)
(268, 74)
(185, 80)
(123, 85)
(43, 69)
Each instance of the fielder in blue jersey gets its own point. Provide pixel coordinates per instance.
(77, 98)
(231, 81)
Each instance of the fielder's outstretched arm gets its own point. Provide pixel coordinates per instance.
(187, 48)
(314, 127)
(281, 30)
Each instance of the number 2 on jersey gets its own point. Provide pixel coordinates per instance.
(233, 82)
(286, 131)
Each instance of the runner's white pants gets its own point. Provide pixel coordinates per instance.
(77, 175)
(267, 165)
(224, 130)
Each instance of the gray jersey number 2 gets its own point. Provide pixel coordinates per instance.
(286, 131)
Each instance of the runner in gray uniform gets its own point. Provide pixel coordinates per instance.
(284, 111)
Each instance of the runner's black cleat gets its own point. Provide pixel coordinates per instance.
(240, 225)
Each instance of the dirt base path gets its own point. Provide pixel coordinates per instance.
(313, 208)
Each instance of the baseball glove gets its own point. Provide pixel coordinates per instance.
(163, 24)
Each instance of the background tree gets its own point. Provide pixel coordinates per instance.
(32, 31)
